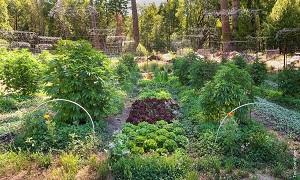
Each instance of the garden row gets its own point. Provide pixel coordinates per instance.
(171, 131)
(59, 131)
(186, 145)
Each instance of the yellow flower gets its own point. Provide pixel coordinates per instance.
(47, 116)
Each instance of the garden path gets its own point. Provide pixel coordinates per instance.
(115, 122)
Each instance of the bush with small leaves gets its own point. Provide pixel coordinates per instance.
(258, 72)
(229, 88)
(202, 71)
(127, 72)
(7, 104)
(240, 62)
(21, 72)
(289, 82)
(81, 74)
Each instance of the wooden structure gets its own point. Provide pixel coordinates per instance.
(109, 43)
(30, 40)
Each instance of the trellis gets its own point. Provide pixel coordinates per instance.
(30, 40)
(230, 12)
(110, 44)
(288, 41)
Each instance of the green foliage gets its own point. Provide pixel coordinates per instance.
(161, 137)
(191, 70)
(161, 76)
(4, 17)
(7, 104)
(202, 71)
(81, 74)
(258, 72)
(127, 72)
(152, 166)
(151, 26)
(124, 77)
(209, 163)
(21, 72)
(100, 166)
(240, 62)
(157, 94)
(43, 160)
(260, 146)
(229, 88)
(181, 67)
(287, 101)
(289, 118)
(284, 14)
(129, 61)
(141, 50)
(39, 134)
(288, 81)
(13, 161)
(3, 44)
(117, 6)
(70, 165)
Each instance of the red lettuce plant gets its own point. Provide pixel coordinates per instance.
(152, 110)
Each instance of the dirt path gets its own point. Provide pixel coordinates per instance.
(115, 122)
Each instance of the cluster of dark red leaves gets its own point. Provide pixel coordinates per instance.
(152, 110)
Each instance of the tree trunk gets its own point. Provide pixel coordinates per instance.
(225, 26)
(135, 22)
(95, 36)
(119, 20)
(235, 16)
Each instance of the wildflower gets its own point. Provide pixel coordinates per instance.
(47, 117)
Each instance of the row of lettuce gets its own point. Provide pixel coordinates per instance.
(188, 146)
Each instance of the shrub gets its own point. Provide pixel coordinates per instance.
(4, 44)
(13, 162)
(209, 163)
(43, 134)
(258, 71)
(127, 72)
(205, 144)
(123, 76)
(129, 61)
(192, 70)
(262, 147)
(229, 88)
(240, 62)
(202, 71)
(145, 137)
(181, 67)
(100, 165)
(70, 165)
(152, 110)
(80, 74)
(21, 72)
(154, 167)
(42, 160)
(288, 81)
(7, 104)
